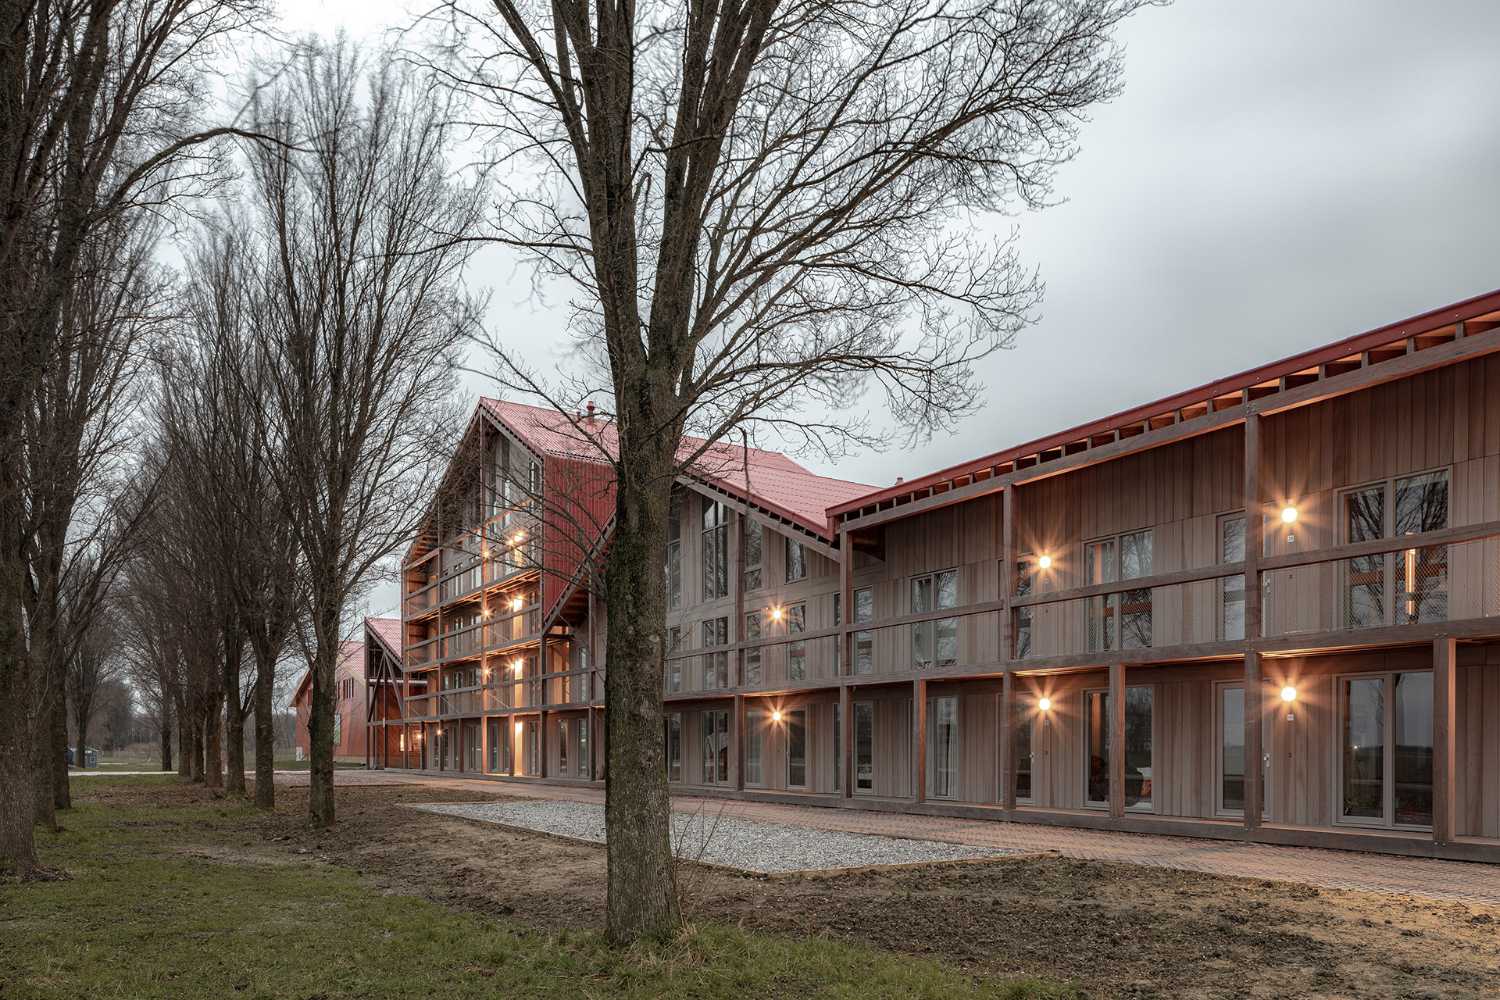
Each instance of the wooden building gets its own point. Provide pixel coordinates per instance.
(1266, 609)
(351, 702)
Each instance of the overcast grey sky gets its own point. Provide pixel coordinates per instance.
(1276, 175)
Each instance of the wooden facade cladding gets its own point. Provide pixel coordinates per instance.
(1250, 636)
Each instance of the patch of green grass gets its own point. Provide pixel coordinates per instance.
(184, 901)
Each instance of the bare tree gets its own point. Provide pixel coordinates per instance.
(360, 314)
(94, 664)
(98, 115)
(764, 207)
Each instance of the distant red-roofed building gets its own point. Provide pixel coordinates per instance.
(349, 727)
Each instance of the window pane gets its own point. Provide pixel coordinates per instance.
(921, 594)
(1138, 768)
(864, 745)
(796, 561)
(1135, 618)
(753, 538)
(1135, 555)
(1422, 585)
(1364, 747)
(947, 589)
(1232, 749)
(1021, 746)
(1096, 726)
(1422, 503)
(1413, 765)
(944, 748)
(674, 747)
(796, 748)
(947, 641)
(755, 723)
(864, 606)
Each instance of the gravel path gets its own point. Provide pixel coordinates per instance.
(719, 838)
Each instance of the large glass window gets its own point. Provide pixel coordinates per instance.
(674, 552)
(864, 640)
(796, 748)
(1026, 570)
(754, 537)
(715, 665)
(1396, 588)
(1121, 620)
(755, 738)
(715, 734)
(943, 747)
(1232, 588)
(1023, 716)
(838, 747)
(864, 746)
(674, 746)
(533, 747)
(715, 551)
(1386, 760)
(752, 671)
(796, 561)
(1231, 748)
(1138, 762)
(796, 652)
(674, 662)
(934, 643)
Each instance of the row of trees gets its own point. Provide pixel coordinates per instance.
(763, 207)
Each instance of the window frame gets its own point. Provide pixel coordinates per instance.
(863, 637)
(932, 627)
(714, 539)
(788, 716)
(1389, 560)
(955, 781)
(671, 720)
(1112, 606)
(799, 563)
(1150, 804)
(1387, 820)
(868, 705)
(748, 582)
(755, 742)
(715, 653)
(674, 551)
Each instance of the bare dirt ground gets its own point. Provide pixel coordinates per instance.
(1116, 930)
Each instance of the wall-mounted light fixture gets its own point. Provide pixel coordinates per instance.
(1289, 514)
(776, 613)
(775, 715)
(517, 603)
(519, 728)
(1044, 704)
(1289, 698)
(1044, 561)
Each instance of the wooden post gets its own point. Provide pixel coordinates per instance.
(846, 606)
(737, 632)
(1007, 742)
(541, 748)
(919, 739)
(1255, 526)
(846, 738)
(1116, 723)
(1007, 574)
(1255, 720)
(738, 737)
(1444, 741)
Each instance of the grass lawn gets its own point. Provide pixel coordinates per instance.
(173, 894)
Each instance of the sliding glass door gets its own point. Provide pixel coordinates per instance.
(1138, 747)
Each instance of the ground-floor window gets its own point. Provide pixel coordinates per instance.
(674, 746)
(1022, 718)
(1138, 760)
(473, 747)
(943, 747)
(580, 744)
(715, 736)
(1385, 766)
(533, 760)
(864, 746)
(501, 746)
(755, 738)
(447, 748)
(796, 748)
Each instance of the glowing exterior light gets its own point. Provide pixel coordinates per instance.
(484, 613)
(515, 666)
(1289, 514)
(776, 715)
(1288, 693)
(776, 614)
(518, 538)
(1044, 562)
(518, 727)
(1044, 704)
(517, 603)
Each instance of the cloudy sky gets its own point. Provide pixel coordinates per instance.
(1276, 175)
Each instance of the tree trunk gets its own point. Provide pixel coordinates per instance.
(61, 794)
(166, 738)
(81, 720)
(195, 747)
(184, 741)
(213, 743)
(234, 722)
(322, 704)
(265, 731)
(17, 835)
(642, 893)
(44, 769)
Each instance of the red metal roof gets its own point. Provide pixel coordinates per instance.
(388, 631)
(776, 482)
(1422, 323)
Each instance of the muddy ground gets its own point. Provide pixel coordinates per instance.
(1117, 930)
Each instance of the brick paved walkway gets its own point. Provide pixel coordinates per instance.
(1422, 877)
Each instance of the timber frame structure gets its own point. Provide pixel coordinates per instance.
(1264, 609)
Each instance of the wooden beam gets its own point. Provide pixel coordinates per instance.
(846, 738)
(1007, 571)
(1007, 742)
(1116, 723)
(1175, 578)
(1444, 739)
(1379, 546)
(1255, 528)
(846, 605)
(1255, 714)
(919, 738)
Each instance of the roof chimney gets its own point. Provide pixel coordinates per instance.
(591, 411)
(899, 480)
